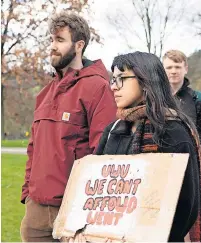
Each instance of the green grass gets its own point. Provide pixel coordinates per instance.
(14, 143)
(12, 211)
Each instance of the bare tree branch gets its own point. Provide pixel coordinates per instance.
(196, 20)
(6, 27)
(16, 42)
(155, 18)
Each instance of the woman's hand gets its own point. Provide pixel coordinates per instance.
(80, 238)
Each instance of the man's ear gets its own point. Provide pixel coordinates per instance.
(79, 45)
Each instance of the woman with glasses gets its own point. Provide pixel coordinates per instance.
(149, 120)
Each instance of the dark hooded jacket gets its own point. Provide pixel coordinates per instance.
(176, 139)
(69, 118)
(190, 103)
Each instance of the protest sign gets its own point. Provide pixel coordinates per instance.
(123, 197)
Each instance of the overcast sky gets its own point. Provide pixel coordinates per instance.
(181, 36)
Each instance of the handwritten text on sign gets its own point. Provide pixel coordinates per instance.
(115, 185)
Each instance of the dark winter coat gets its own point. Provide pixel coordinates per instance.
(180, 141)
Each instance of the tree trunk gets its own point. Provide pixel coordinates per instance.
(2, 112)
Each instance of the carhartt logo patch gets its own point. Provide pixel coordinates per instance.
(66, 116)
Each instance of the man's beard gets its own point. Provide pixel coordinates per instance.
(66, 59)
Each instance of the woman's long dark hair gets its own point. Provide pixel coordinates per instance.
(152, 78)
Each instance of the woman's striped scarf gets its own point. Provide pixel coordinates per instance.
(144, 144)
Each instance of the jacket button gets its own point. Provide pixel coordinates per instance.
(76, 73)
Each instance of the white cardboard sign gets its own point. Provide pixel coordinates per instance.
(129, 197)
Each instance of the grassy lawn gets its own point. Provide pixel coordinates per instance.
(14, 143)
(12, 211)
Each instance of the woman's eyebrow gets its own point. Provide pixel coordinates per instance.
(118, 75)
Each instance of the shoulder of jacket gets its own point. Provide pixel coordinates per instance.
(95, 77)
(194, 93)
(198, 95)
(45, 88)
(96, 81)
(112, 127)
(177, 131)
(107, 130)
(176, 138)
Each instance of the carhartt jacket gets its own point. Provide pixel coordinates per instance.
(69, 118)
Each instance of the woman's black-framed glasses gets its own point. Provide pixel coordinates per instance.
(119, 81)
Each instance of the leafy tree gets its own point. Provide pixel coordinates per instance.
(24, 52)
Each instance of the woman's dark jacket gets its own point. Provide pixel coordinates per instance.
(176, 139)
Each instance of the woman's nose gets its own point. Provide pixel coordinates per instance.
(114, 87)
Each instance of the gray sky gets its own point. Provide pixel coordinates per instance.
(181, 36)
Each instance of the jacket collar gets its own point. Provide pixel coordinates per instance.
(185, 85)
(122, 127)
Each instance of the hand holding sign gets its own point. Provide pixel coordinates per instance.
(80, 238)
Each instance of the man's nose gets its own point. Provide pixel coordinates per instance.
(173, 70)
(53, 46)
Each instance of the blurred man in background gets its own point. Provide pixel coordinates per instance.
(176, 66)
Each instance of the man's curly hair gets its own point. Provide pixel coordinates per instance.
(77, 25)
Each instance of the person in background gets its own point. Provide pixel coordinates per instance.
(176, 67)
(70, 115)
